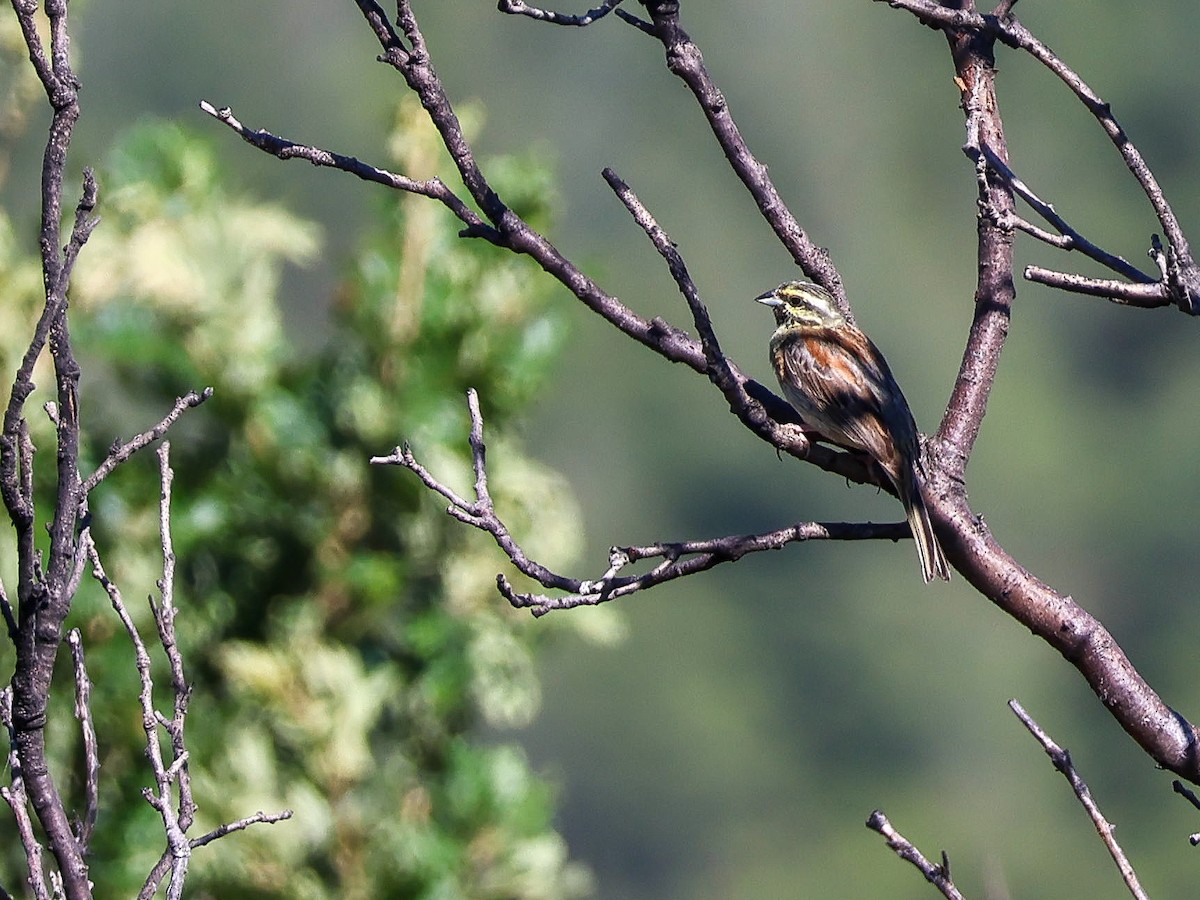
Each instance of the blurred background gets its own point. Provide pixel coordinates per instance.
(736, 736)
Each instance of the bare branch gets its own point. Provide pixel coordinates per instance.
(1070, 238)
(164, 618)
(685, 60)
(713, 356)
(1062, 761)
(1147, 296)
(43, 591)
(14, 794)
(240, 825)
(1183, 275)
(434, 188)
(678, 559)
(520, 8)
(1184, 278)
(91, 754)
(937, 875)
(121, 452)
(160, 798)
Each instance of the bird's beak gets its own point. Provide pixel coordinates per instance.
(769, 299)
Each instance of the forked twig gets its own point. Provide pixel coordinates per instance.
(1188, 794)
(677, 559)
(936, 874)
(520, 8)
(120, 452)
(1068, 238)
(1182, 276)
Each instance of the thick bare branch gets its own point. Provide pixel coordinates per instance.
(43, 591)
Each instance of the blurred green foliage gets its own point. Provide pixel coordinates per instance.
(344, 637)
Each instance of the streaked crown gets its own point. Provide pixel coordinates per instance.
(802, 303)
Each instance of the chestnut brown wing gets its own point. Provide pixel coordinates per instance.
(842, 387)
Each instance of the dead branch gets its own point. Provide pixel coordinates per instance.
(1062, 761)
(678, 559)
(91, 752)
(936, 874)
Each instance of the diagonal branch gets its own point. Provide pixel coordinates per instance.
(935, 874)
(434, 188)
(1068, 239)
(121, 452)
(685, 60)
(1062, 761)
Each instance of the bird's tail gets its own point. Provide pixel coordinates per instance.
(933, 561)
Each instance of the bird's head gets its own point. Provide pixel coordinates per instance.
(802, 303)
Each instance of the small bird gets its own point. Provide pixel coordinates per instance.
(840, 384)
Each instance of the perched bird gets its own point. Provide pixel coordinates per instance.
(841, 386)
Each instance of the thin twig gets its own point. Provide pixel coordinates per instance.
(1122, 293)
(285, 149)
(937, 875)
(91, 753)
(159, 798)
(1062, 761)
(121, 452)
(520, 8)
(164, 619)
(240, 825)
(1190, 796)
